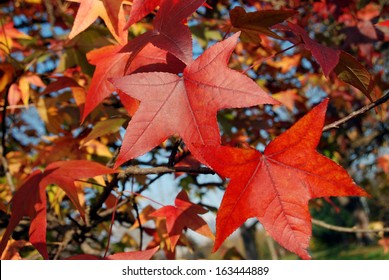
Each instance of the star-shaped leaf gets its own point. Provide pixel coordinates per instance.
(186, 105)
(275, 186)
(169, 32)
(184, 214)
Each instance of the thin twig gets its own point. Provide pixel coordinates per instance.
(136, 170)
(135, 205)
(11, 107)
(174, 153)
(111, 226)
(360, 111)
(347, 229)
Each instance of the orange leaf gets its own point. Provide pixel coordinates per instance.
(110, 11)
(275, 186)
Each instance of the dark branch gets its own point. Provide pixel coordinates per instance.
(361, 111)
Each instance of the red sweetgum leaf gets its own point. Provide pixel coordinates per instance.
(137, 255)
(30, 198)
(140, 9)
(186, 105)
(327, 57)
(349, 70)
(253, 24)
(112, 64)
(275, 186)
(111, 11)
(64, 173)
(113, 7)
(169, 32)
(181, 216)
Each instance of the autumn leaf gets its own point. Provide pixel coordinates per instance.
(184, 214)
(111, 11)
(140, 9)
(104, 127)
(327, 57)
(186, 104)
(60, 83)
(275, 186)
(253, 24)
(11, 252)
(136, 255)
(8, 38)
(14, 96)
(169, 33)
(287, 98)
(110, 63)
(354, 73)
(7, 73)
(64, 173)
(30, 201)
(30, 198)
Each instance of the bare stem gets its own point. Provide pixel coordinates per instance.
(347, 229)
(358, 112)
(136, 170)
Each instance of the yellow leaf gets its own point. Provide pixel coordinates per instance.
(6, 74)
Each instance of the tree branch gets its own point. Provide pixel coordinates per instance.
(136, 170)
(347, 229)
(361, 111)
